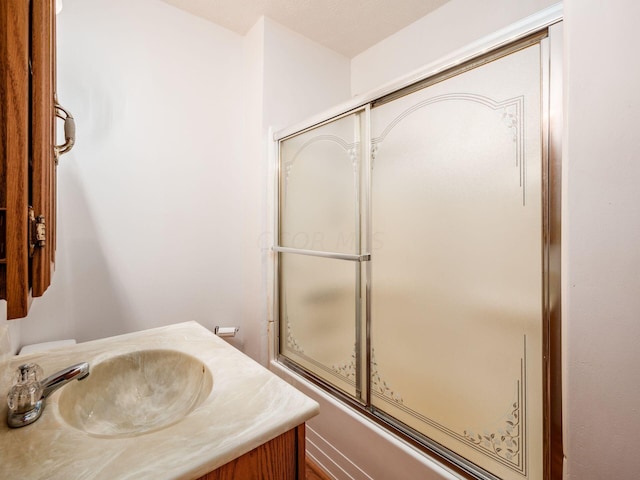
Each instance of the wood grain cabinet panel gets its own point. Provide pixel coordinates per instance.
(282, 458)
(27, 159)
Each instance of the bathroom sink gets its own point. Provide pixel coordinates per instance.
(136, 393)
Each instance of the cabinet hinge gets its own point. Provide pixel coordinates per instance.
(37, 231)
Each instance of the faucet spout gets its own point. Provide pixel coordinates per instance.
(27, 398)
(80, 371)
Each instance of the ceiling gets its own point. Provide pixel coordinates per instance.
(345, 26)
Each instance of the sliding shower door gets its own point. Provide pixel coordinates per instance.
(321, 251)
(412, 251)
(456, 316)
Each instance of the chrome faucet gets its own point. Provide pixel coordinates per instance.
(28, 396)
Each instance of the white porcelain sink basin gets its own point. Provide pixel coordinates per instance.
(136, 393)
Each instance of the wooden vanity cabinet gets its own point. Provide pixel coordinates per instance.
(282, 458)
(27, 151)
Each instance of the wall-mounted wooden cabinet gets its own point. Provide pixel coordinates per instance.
(27, 151)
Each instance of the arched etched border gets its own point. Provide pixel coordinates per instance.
(351, 148)
(512, 116)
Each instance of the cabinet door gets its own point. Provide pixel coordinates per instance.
(27, 163)
(14, 138)
(43, 161)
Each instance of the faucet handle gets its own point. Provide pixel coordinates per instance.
(27, 390)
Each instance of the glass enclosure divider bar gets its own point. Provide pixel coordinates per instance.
(546, 173)
(554, 455)
(359, 128)
(277, 274)
(358, 333)
(368, 229)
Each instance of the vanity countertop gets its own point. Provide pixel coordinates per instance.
(246, 407)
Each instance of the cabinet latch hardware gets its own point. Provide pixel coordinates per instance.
(37, 231)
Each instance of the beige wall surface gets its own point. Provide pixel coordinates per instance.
(601, 236)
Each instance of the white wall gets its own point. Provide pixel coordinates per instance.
(289, 78)
(252, 210)
(601, 235)
(301, 77)
(149, 199)
(454, 25)
(10, 333)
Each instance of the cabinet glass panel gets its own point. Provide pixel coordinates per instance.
(457, 264)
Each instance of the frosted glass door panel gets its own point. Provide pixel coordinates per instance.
(456, 264)
(320, 313)
(320, 188)
(317, 317)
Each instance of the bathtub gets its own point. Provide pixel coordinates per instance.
(349, 446)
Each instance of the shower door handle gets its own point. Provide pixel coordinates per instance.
(354, 257)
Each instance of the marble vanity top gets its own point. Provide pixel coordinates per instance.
(246, 407)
